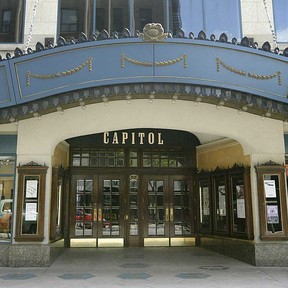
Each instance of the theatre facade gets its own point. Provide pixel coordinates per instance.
(143, 134)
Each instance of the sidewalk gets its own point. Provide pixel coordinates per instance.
(144, 267)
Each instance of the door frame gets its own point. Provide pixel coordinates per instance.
(142, 239)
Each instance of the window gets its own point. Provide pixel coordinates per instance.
(145, 16)
(222, 16)
(69, 20)
(118, 20)
(196, 15)
(214, 17)
(7, 176)
(163, 158)
(6, 21)
(280, 8)
(148, 12)
(100, 19)
(11, 21)
(98, 157)
(7, 167)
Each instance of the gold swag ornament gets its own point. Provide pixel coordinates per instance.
(153, 32)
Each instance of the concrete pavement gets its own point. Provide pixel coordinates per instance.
(144, 267)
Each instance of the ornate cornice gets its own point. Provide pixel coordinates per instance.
(152, 32)
(240, 101)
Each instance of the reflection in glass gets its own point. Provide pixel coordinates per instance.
(7, 169)
(148, 12)
(11, 24)
(187, 15)
(181, 213)
(215, 23)
(280, 8)
(134, 205)
(156, 215)
(111, 208)
(83, 209)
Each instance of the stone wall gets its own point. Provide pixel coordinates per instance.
(29, 255)
(258, 254)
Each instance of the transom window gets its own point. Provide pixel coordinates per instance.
(149, 158)
(98, 157)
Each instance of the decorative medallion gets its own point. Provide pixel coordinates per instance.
(153, 32)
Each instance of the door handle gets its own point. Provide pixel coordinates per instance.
(95, 215)
(171, 214)
(99, 215)
(167, 214)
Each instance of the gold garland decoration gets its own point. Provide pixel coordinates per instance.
(158, 63)
(248, 74)
(59, 74)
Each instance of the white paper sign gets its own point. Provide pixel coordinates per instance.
(272, 214)
(31, 212)
(222, 200)
(205, 194)
(241, 208)
(31, 188)
(270, 188)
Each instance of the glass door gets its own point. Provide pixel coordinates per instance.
(110, 211)
(156, 218)
(169, 211)
(182, 213)
(82, 210)
(97, 211)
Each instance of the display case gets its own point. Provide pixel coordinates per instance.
(30, 202)
(225, 202)
(272, 201)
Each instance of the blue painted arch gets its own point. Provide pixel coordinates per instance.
(199, 64)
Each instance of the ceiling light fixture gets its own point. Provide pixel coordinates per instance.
(105, 100)
(174, 98)
(82, 104)
(152, 97)
(220, 104)
(128, 98)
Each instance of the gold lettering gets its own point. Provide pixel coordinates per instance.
(151, 138)
(133, 138)
(106, 137)
(124, 137)
(115, 138)
(141, 137)
(160, 141)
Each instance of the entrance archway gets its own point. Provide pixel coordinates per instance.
(133, 188)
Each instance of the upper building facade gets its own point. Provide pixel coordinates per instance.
(143, 123)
